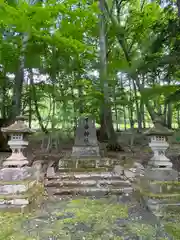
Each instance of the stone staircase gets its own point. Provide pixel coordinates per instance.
(86, 182)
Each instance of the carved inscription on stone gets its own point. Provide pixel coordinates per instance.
(85, 140)
(86, 133)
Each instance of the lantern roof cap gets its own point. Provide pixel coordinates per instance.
(18, 126)
(158, 130)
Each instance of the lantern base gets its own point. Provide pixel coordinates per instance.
(15, 163)
(160, 162)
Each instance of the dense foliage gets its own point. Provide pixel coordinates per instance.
(117, 60)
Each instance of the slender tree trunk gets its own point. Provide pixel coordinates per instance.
(115, 107)
(53, 81)
(80, 94)
(138, 112)
(178, 6)
(143, 114)
(44, 129)
(169, 109)
(169, 116)
(19, 78)
(178, 117)
(4, 97)
(30, 103)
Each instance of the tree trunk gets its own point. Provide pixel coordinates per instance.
(124, 115)
(105, 109)
(30, 104)
(3, 138)
(178, 117)
(178, 6)
(19, 78)
(169, 116)
(44, 129)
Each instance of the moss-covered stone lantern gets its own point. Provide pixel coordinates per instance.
(159, 185)
(158, 143)
(17, 133)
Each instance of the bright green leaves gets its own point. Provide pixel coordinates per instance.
(66, 24)
(140, 21)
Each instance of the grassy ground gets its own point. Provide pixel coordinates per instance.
(88, 219)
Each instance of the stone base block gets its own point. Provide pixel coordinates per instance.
(160, 206)
(161, 174)
(87, 162)
(85, 151)
(7, 189)
(12, 198)
(18, 189)
(16, 174)
(160, 192)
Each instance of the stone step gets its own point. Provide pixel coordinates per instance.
(88, 163)
(84, 170)
(11, 208)
(88, 190)
(87, 175)
(13, 205)
(86, 182)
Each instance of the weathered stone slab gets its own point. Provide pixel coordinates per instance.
(13, 189)
(160, 174)
(16, 201)
(86, 151)
(15, 174)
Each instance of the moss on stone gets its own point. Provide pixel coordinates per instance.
(160, 195)
(88, 169)
(127, 162)
(176, 183)
(20, 182)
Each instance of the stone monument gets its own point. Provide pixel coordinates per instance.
(18, 185)
(85, 151)
(86, 144)
(157, 185)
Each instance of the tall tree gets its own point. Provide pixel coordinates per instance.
(105, 108)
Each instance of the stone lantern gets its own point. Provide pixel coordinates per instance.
(158, 143)
(17, 132)
(19, 186)
(157, 185)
